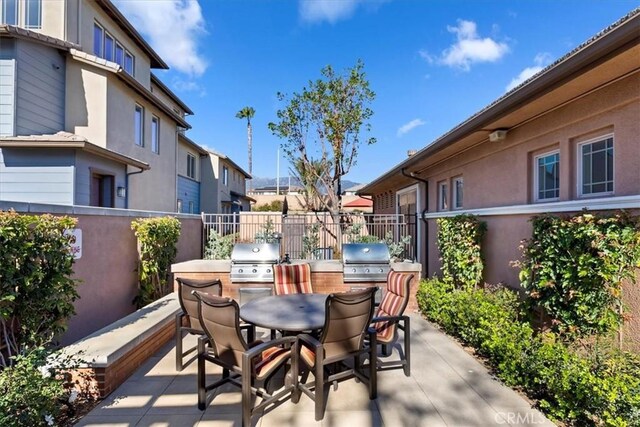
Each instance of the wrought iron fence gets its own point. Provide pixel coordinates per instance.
(315, 235)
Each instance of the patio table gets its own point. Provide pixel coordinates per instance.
(290, 313)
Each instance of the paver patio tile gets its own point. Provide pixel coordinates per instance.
(132, 397)
(180, 397)
(109, 420)
(224, 420)
(175, 420)
(352, 418)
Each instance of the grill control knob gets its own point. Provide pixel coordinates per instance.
(381, 270)
(268, 270)
(366, 270)
(254, 270)
(353, 270)
(240, 270)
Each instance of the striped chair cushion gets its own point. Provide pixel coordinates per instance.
(393, 304)
(268, 360)
(308, 356)
(292, 279)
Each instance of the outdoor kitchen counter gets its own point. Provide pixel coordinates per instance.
(326, 276)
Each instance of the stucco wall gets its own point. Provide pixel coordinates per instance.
(154, 189)
(107, 268)
(85, 102)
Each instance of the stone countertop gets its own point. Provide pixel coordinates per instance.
(325, 266)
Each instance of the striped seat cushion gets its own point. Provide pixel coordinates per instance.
(268, 360)
(393, 304)
(292, 279)
(308, 356)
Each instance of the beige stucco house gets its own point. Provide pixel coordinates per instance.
(224, 185)
(84, 121)
(563, 141)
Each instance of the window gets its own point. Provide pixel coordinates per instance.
(33, 14)
(180, 205)
(225, 175)
(108, 47)
(443, 196)
(595, 167)
(191, 166)
(139, 126)
(458, 185)
(191, 207)
(10, 12)
(97, 40)
(547, 177)
(155, 134)
(129, 63)
(119, 56)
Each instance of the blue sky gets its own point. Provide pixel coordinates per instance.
(432, 63)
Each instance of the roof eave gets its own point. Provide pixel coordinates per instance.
(172, 95)
(627, 31)
(190, 142)
(113, 12)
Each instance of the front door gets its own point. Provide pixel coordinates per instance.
(102, 190)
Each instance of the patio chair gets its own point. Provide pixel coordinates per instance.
(243, 364)
(292, 279)
(347, 318)
(189, 305)
(390, 317)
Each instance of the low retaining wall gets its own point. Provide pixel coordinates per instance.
(109, 356)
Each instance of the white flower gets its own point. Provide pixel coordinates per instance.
(45, 371)
(73, 395)
(49, 419)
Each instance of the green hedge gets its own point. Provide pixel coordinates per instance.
(600, 389)
(459, 242)
(573, 270)
(36, 286)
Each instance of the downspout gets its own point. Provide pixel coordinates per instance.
(412, 175)
(126, 185)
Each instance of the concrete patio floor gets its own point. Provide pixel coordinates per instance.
(447, 387)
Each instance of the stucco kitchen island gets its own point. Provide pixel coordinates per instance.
(326, 277)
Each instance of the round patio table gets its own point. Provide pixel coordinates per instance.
(291, 313)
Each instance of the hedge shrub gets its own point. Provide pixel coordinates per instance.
(602, 389)
(36, 288)
(157, 240)
(459, 242)
(573, 269)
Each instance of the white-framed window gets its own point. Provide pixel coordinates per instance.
(595, 167)
(191, 166)
(225, 175)
(458, 193)
(191, 206)
(119, 56)
(98, 36)
(546, 176)
(129, 63)
(9, 12)
(33, 14)
(155, 134)
(443, 196)
(179, 205)
(139, 126)
(109, 45)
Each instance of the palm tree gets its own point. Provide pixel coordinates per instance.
(248, 113)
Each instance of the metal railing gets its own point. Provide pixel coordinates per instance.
(314, 235)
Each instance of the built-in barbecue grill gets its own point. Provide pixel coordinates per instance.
(253, 262)
(365, 262)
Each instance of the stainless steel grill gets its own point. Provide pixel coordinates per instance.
(253, 262)
(365, 262)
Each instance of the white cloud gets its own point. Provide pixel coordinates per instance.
(181, 85)
(332, 11)
(409, 126)
(541, 61)
(173, 29)
(469, 48)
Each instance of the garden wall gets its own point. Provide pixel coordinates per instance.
(501, 247)
(108, 262)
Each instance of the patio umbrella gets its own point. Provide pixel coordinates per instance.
(285, 207)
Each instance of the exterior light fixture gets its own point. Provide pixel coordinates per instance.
(121, 192)
(498, 135)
